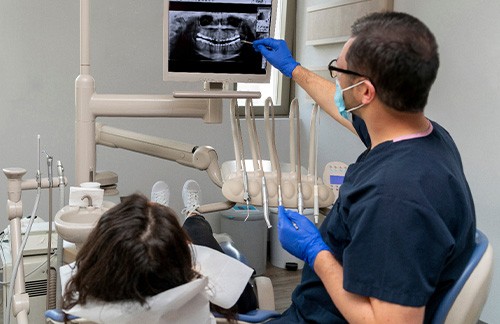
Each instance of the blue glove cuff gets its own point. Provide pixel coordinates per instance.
(314, 250)
(288, 68)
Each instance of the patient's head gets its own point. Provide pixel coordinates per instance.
(137, 250)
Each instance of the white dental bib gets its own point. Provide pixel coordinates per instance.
(223, 281)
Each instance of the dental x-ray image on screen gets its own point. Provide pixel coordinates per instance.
(209, 39)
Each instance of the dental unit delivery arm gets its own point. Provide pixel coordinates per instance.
(200, 157)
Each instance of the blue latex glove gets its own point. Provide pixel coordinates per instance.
(277, 53)
(299, 236)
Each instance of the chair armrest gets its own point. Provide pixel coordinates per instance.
(265, 293)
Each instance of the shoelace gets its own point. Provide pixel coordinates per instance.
(160, 198)
(192, 204)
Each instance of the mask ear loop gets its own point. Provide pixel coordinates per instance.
(350, 110)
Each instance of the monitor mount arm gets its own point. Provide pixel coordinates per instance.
(90, 105)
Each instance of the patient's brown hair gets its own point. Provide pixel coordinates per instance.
(137, 250)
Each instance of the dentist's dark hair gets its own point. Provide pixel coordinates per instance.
(400, 56)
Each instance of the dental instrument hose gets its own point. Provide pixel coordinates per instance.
(60, 173)
(272, 139)
(316, 120)
(50, 273)
(300, 199)
(265, 195)
(238, 150)
(246, 192)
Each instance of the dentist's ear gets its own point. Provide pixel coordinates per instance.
(369, 92)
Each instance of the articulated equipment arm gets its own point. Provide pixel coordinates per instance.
(199, 157)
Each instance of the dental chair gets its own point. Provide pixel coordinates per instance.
(465, 300)
(263, 287)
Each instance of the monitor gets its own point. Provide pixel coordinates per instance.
(206, 40)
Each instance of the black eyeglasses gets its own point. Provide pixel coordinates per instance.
(332, 66)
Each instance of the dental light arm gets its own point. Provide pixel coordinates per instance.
(200, 157)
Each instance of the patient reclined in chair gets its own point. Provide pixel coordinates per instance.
(223, 279)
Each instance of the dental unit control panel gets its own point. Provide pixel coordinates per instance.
(334, 175)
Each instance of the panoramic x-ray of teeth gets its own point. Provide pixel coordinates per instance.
(213, 36)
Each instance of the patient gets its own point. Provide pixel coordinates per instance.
(137, 250)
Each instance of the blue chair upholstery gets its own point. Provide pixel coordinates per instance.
(255, 316)
(230, 250)
(56, 316)
(477, 275)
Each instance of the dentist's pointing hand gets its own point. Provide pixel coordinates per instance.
(277, 53)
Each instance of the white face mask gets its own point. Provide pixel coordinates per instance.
(339, 99)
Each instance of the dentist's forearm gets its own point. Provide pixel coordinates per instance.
(357, 308)
(321, 91)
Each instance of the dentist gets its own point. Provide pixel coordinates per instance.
(402, 229)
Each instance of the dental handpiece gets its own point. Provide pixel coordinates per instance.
(300, 199)
(316, 204)
(265, 202)
(49, 172)
(38, 172)
(246, 193)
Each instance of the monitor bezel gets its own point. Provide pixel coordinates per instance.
(212, 77)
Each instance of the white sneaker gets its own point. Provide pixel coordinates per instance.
(160, 193)
(191, 197)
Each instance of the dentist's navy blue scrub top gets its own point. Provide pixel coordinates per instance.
(403, 227)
